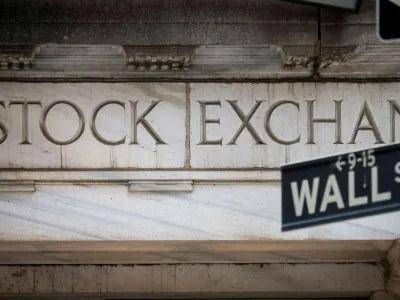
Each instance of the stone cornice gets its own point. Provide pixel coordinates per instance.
(153, 62)
(202, 62)
(152, 58)
(362, 62)
(16, 57)
(78, 58)
(194, 252)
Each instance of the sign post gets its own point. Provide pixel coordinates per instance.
(341, 187)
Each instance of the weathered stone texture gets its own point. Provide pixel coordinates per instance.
(393, 257)
(313, 279)
(350, 46)
(158, 22)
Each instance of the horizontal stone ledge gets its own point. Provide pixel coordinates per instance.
(189, 295)
(200, 251)
(198, 62)
(363, 63)
(204, 75)
(271, 280)
(161, 186)
(17, 186)
(124, 176)
(53, 62)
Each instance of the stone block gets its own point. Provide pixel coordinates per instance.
(86, 125)
(244, 125)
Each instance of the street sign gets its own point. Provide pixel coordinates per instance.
(341, 187)
(388, 20)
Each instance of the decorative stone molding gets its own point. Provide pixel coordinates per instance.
(164, 63)
(16, 186)
(298, 61)
(363, 62)
(161, 186)
(123, 177)
(61, 61)
(294, 59)
(52, 57)
(9, 62)
(337, 56)
(16, 58)
(393, 259)
(159, 58)
(51, 61)
(78, 58)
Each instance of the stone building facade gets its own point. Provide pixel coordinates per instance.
(141, 141)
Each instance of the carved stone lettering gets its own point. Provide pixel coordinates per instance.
(267, 122)
(267, 125)
(141, 120)
(25, 117)
(204, 121)
(366, 112)
(3, 127)
(394, 108)
(45, 131)
(210, 125)
(337, 120)
(93, 127)
(246, 122)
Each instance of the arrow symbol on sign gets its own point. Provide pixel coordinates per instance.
(339, 163)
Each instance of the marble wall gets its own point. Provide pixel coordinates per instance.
(226, 142)
(197, 125)
(108, 139)
(210, 212)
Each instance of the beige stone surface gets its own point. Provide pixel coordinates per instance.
(159, 22)
(194, 251)
(223, 211)
(73, 202)
(393, 259)
(357, 279)
(253, 125)
(93, 149)
(289, 134)
(383, 295)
